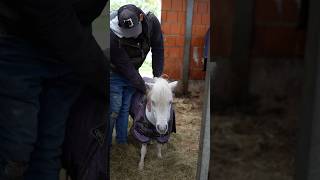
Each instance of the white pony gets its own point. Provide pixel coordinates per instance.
(158, 112)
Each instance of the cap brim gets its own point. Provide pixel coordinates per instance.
(132, 32)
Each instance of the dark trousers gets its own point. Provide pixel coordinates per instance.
(36, 93)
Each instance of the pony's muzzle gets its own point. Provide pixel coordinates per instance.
(162, 129)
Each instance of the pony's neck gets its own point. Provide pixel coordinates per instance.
(150, 117)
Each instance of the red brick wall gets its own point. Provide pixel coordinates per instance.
(275, 33)
(173, 19)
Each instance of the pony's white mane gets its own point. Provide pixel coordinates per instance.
(160, 90)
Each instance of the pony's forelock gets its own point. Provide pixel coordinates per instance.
(160, 89)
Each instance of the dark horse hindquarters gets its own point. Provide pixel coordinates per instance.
(85, 148)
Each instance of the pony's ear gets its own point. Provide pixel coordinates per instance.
(173, 85)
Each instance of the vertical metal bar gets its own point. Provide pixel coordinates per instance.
(204, 144)
(186, 55)
(211, 60)
(308, 144)
(212, 78)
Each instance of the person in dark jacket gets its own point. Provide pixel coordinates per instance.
(47, 57)
(133, 32)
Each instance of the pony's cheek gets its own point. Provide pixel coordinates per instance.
(153, 112)
(149, 106)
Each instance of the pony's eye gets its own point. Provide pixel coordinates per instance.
(170, 102)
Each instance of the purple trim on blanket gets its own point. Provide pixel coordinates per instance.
(163, 139)
(140, 137)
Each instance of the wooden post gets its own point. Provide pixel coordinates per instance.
(308, 146)
(241, 46)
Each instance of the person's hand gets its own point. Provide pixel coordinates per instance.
(164, 76)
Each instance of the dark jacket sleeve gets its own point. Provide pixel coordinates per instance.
(156, 47)
(120, 59)
(56, 25)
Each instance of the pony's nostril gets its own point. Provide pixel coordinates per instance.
(158, 127)
(166, 128)
(162, 129)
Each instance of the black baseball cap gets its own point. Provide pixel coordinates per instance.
(128, 20)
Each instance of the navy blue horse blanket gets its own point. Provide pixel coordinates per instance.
(142, 129)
